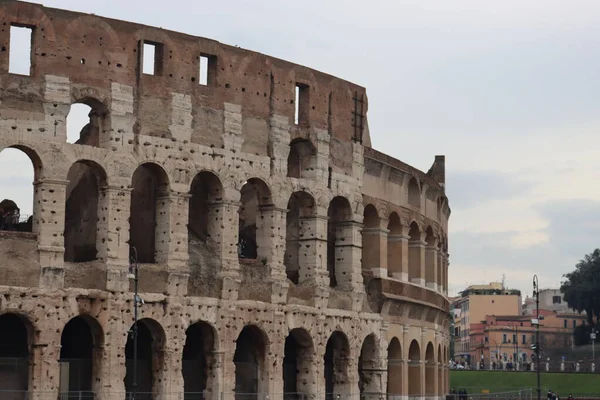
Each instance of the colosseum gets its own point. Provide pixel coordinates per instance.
(279, 255)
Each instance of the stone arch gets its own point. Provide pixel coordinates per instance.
(256, 198)
(20, 213)
(199, 361)
(395, 368)
(149, 184)
(250, 358)
(368, 363)
(299, 233)
(430, 367)
(440, 365)
(414, 192)
(414, 369)
(415, 255)
(337, 353)
(395, 250)
(206, 192)
(298, 364)
(431, 273)
(88, 121)
(81, 355)
(339, 214)
(302, 159)
(371, 239)
(16, 355)
(83, 210)
(150, 357)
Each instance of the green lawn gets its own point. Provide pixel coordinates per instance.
(496, 381)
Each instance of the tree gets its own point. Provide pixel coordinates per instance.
(581, 289)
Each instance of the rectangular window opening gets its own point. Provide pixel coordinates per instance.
(152, 58)
(302, 103)
(208, 70)
(20, 50)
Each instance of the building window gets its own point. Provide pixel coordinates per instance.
(574, 324)
(486, 339)
(556, 299)
(515, 338)
(566, 323)
(524, 338)
(504, 338)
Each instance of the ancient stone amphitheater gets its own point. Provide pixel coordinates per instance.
(280, 256)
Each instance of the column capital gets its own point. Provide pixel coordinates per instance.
(115, 189)
(50, 181)
(220, 203)
(272, 207)
(370, 231)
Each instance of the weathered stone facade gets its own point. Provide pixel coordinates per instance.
(278, 253)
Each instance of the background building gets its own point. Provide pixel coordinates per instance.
(475, 303)
(550, 299)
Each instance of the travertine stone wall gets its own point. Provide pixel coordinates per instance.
(149, 138)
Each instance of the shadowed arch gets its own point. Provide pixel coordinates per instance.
(87, 122)
(16, 340)
(198, 360)
(149, 182)
(371, 239)
(302, 159)
(395, 368)
(368, 362)
(415, 247)
(150, 352)
(299, 229)
(251, 380)
(255, 199)
(297, 364)
(394, 248)
(338, 213)
(414, 193)
(414, 369)
(430, 369)
(337, 351)
(440, 369)
(83, 210)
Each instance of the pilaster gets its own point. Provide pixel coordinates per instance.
(431, 269)
(375, 250)
(227, 247)
(270, 240)
(398, 255)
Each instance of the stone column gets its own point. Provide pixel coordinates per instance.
(440, 271)
(348, 253)
(416, 271)
(270, 240)
(398, 255)
(308, 373)
(215, 376)
(113, 236)
(431, 269)
(227, 247)
(45, 377)
(49, 224)
(375, 249)
(172, 378)
(172, 239)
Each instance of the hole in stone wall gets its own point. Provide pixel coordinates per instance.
(76, 357)
(149, 62)
(254, 195)
(87, 122)
(16, 210)
(19, 57)
(301, 104)
(302, 159)
(203, 70)
(14, 354)
(77, 121)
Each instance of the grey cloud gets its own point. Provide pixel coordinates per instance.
(467, 188)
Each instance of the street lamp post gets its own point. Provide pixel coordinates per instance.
(133, 274)
(536, 292)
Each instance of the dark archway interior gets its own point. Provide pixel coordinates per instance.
(367, 361)
(249, 360)
(338, 212)
(145, 376)
(14, 354)
(254, 194)
(297, 364)
(81, 212)
(76, 356)
(300, 206)
(301, 158)
(336, 353)
(290, 367)
(199, 341)
(86, 122)
(205, 188)
(148, 182)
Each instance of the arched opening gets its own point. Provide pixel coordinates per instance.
(149, 183)
(414, 369)
(414, 193)
(82, 211)
(302, 159)
(368, 362)
(394, 247)
(440, 364)
(24, 167)
(14, 356)
(297, 364)
(150, 347)
(415, 254)
(299, 229)
(206, 190)
(249, 358)
(255, 198)
(87, 122)
(395, 368)
(337, 352)
(430, 368)
(430, 256)
(80, 357)
(372, 241)
(198, 361)
(338, 214)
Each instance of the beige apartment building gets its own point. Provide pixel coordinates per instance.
(475, 303)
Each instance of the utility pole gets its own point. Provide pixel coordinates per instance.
(536, 291)
(133, 274)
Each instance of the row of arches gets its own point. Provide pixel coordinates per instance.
(81, 361)
(409, 253)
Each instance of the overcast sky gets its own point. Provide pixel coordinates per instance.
(507, 90)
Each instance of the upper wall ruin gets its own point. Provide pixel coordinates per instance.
(95, 52)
